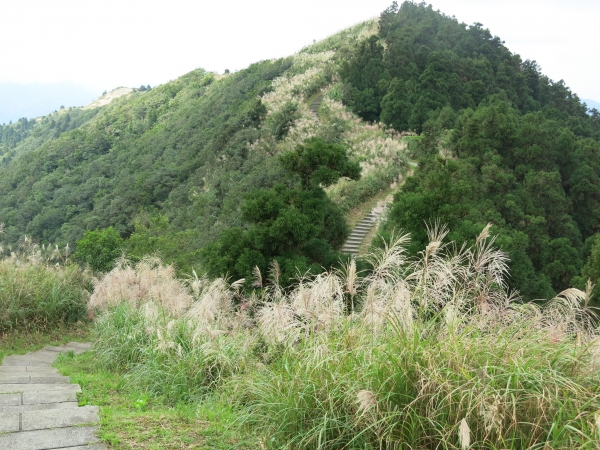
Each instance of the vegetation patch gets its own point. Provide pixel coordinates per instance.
(38, 295)
(132, 419)
(418, 351)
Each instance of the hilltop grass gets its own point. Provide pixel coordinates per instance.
(418, 353)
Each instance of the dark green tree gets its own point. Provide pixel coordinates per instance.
(99, 249)
(319, 163)
(295, 224)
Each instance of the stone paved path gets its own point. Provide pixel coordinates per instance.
(314, 106)
(357, 235)
(38, 405)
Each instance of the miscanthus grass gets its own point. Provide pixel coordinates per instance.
(39, 288)
(427, 352)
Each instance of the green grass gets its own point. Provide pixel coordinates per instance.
(437, 354)
(133, 419)
(26, 340)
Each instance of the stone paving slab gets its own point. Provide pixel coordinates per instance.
(40, 420)
(82, 345)
(86, 447)
(32, 398)
(46, 369)
(51, 348)
(10, 399)
(37, 387)
(33, 378)
(46, 358)
(49, 439)
(37, 407)
(9, 361)
(9, 422)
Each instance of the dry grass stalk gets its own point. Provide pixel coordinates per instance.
(147, 281)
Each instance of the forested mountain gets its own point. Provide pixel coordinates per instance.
(214, 171)
(24, 135)
(500, 142)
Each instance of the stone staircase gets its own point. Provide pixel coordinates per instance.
(360, 231)
(358, 234)
(38, 405)
(314, 106)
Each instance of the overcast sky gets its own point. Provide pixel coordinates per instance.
(109, 43)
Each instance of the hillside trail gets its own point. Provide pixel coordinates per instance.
(314, 105)
(364, 227)
(38, 405)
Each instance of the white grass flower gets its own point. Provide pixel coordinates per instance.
(464, 435)
(366, 400)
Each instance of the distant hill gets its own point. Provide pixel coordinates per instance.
(591, 104)
(35, 99)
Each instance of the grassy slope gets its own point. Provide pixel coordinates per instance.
(437, 344)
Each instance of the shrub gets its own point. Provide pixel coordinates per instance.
(39, 295)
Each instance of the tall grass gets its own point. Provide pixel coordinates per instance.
(38, 290)
(427, 352)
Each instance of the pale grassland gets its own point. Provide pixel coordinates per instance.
(343, 38)
(427, 352)
(380, 150)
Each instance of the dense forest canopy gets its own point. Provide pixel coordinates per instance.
(500, 142)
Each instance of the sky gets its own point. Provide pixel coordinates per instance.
(106, 44)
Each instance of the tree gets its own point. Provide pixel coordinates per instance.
(319, 163)
(99, 249)
(298, 225)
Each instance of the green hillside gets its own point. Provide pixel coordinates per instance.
(172, 168)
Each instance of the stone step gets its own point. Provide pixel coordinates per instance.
(68, 417)
(85, 447)
(50, 439)
(10, 361)
(32, 377)
(354, 239)
(361, 233)
(38, 387)
(365, 224)
(28, 369)
(37, 407)
(36, 398)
